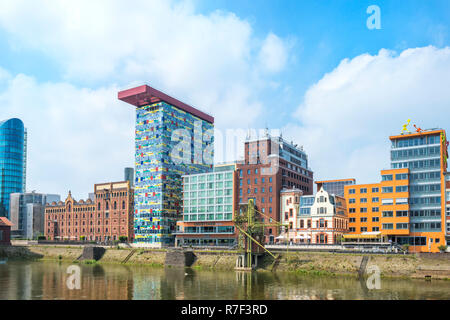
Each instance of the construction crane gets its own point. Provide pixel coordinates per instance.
(251, 226)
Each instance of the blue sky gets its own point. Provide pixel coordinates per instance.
(310, 68)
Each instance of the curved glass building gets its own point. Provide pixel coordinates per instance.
(12, 161)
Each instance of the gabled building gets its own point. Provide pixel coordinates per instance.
(106, 218)
(318, 219)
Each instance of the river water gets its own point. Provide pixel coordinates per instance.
(48, 280)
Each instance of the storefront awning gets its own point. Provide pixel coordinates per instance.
(366, 235)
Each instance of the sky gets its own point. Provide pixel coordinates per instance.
(312, 70)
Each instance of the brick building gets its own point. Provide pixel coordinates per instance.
(107, 217)
(5, 231)
(270, 165)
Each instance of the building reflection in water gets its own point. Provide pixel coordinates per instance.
(47, 280)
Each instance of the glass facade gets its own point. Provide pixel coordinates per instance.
(335, 187)
(208, 197)
(159, 170)
(12, 161)
(422, 155)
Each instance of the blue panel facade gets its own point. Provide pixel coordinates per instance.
(12, 161)
(158, 180)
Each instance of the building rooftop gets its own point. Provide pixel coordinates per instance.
(417, 133)
(335, 180)
(5, 222)
(145, 95)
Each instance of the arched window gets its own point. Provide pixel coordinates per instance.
(123, 205)
(99, 206)
(115, 205)
(107, 205)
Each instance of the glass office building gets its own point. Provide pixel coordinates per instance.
(12, 161)
(209, 201)
(425, 155)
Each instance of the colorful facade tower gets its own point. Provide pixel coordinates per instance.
(172, 140)
(13, 150)
(408, 205)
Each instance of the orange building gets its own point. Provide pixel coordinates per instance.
(408, 205)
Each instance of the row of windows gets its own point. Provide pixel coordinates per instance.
(113, 194)
(416, 152)
(209, 193)
(425, 176)
(209, 177)
(263, 190)
(90, 222)
(263, 180)
(69, 231)
(426, 188)
(207, 217)
(431, 163)
(402, 143)
(208, 186)
(209, 229)
(201, 209)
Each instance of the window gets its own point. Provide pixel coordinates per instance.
(363, 200)
(376, 199)
(352, 220)
(375, 219)
(402, 226)
(351, 191)
(351, 201)
(351, 210)
(363, 190)
(376, 229)
(352, 229)
(363, 210)
(363, 219)
(388, 226)
(363, 229)
(375, 209)
(387, 189)
(387, 177)
(401, 176)
(401, 189)
(401, 214)
(375, 190)
(388, 214)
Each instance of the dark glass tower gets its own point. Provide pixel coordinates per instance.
(12, 161)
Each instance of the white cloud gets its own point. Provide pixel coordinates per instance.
(204, 60)
(80, 136)
(76, 137)
(347, 117)
(274, 53)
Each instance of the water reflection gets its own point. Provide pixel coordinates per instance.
(47, 280)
